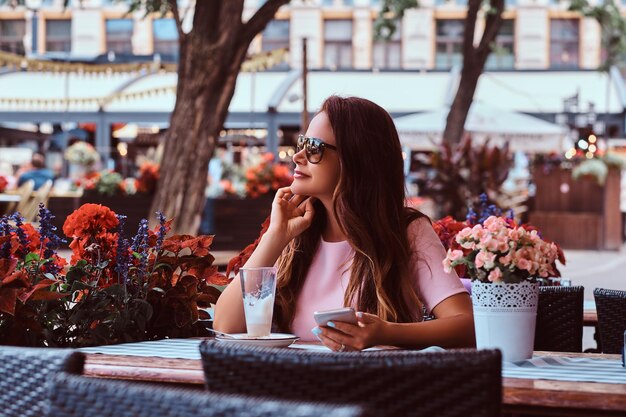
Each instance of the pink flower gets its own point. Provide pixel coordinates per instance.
(455, 255)
(485, 260)
(495, 275)
(506, 260)
(524, 264)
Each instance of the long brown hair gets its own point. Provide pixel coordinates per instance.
(369, 205)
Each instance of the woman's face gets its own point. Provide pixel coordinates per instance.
(317, 180)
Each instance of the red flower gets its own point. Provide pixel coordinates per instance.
(3, 183)
(148, 178)
(90, 220)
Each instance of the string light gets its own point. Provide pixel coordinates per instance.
(257, 62)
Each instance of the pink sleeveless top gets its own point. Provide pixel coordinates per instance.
(329, 274)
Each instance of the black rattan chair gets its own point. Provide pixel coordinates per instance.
(23, 376)
(76, 396)
(611, 309)
(386, 383)
(560, 319)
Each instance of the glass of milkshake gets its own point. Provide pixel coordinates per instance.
(258, 286)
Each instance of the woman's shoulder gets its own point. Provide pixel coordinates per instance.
(421, 234)
(418, 223)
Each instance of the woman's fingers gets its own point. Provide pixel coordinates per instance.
(297, 199)
(366, 318)
(281, 193)
(346, 328)
(334, 344)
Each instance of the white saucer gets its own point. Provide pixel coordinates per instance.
(274, 340)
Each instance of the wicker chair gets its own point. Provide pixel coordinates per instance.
(76, 396)
(386, 383)
(560, 319)
(611, 308)
(23, 376)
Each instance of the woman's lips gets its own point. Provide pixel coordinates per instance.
(299, 175)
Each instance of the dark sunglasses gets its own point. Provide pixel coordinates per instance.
(314, 148)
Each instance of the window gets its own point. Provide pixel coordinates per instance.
(449, 43)
(12, 34)
(59, 35)
(338, 43)
(165, 39)
(275, 35)
(119, 35)
(502, 56)
(564, 43)
(388, 54)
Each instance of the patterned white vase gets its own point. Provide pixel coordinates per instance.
(504, 318)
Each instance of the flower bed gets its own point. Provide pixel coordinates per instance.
(114, 289)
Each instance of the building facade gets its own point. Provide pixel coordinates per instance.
(536, 34)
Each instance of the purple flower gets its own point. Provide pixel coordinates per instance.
(162, 230)
(122, 260)
(140, 244)
(47, 233)
(23, 239)
(5, 230)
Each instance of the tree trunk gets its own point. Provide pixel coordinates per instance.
(210, 59)
(474, 58)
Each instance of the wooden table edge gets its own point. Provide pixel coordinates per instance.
(518, 393)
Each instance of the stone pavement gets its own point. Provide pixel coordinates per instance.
(595, 269)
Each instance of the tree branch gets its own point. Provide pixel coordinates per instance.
(179, 24)
(260, 19)
(468, 36)
(492, 27)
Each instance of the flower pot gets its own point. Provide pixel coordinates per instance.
(504, 318)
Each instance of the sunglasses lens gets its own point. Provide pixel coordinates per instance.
(314, 148)
(314, 151)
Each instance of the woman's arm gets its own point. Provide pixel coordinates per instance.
(291, 215)
(453, 328)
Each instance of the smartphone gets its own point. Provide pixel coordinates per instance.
(346, 315)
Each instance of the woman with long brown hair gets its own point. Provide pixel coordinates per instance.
(342, 236)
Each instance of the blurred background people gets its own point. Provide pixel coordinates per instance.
(35, 170)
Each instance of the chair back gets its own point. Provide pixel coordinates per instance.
(24, 191)
(385, 383)
(23, 376)
(611, 309)
(560, 319)
(40, 196)
(76, 396)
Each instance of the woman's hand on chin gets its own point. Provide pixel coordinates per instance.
(291, 214)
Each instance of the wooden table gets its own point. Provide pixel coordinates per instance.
(590, 315)
(9, 198)
(538, 397)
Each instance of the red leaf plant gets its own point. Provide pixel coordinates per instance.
(114, 290)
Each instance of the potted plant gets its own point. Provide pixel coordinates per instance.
(114, 289)
(81, 156)
(504, 260)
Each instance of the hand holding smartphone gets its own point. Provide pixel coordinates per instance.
(346, 315)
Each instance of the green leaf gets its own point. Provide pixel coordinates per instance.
(31, 257)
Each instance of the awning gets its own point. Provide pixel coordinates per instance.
(525, 133)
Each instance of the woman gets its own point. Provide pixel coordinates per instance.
(341, 236)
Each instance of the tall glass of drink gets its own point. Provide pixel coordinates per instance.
(259, 287)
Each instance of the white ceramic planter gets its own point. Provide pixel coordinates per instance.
(504, 318)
